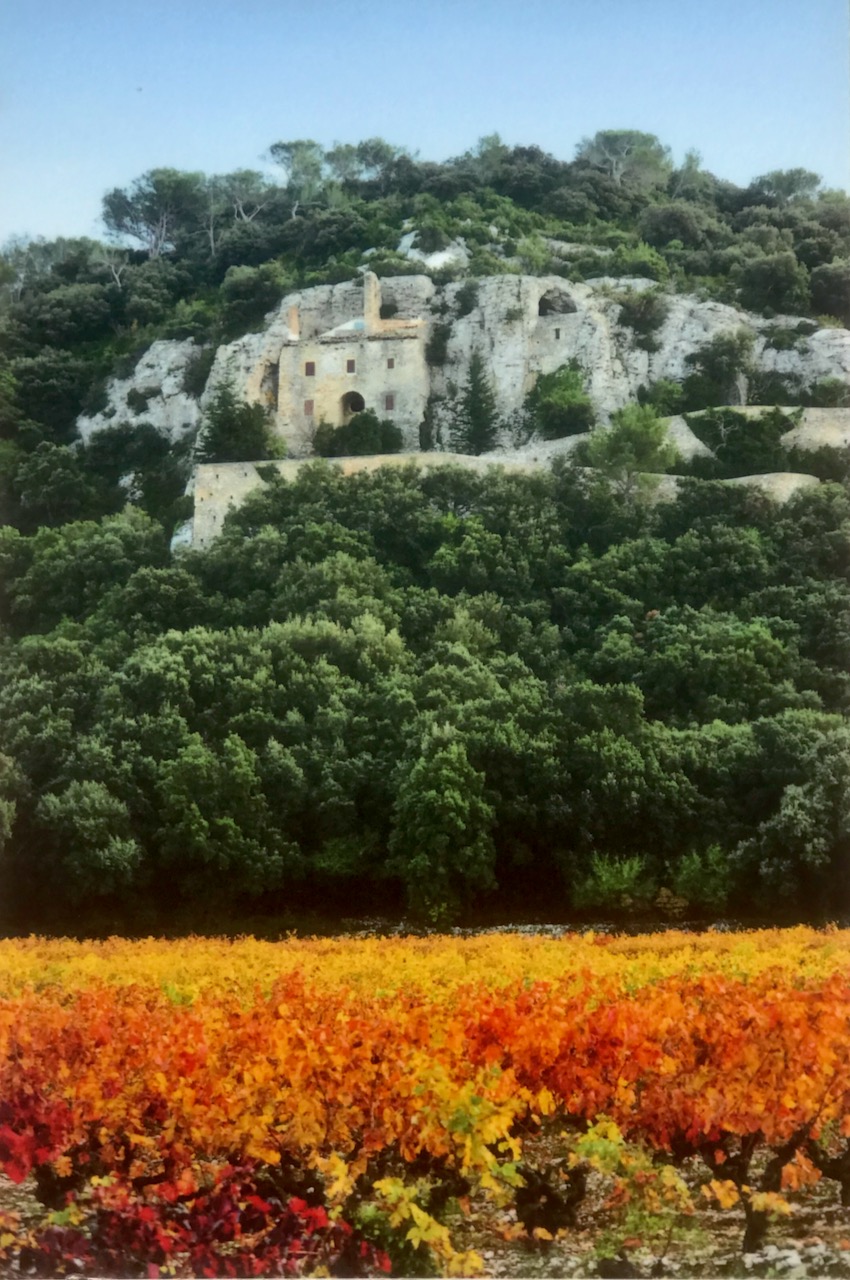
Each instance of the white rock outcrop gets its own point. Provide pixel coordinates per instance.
(523, 326)
(159, 399)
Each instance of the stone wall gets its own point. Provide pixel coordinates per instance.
(222, 487)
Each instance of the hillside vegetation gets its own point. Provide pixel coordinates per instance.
(190, 255)
(435, 691)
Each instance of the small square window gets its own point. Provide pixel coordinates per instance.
(349, 366)
(389, 403)
(308, 408)
(391, 363)
(310, 369)
(557, 333)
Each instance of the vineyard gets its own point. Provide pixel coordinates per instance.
(353, 1107)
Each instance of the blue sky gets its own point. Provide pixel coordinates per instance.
(95, 92)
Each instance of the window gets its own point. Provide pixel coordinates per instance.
(349, 366)
(308, 408)
(389, 403)
(310, 369)
(557, 333)
(390, 363)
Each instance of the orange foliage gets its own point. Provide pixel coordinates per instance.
(109, 1075)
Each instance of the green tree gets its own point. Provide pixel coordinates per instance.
(53, 486)
(787, 185)
(303, 163)
(475, 426)
(680, 220)
(248, 294)
(67, 570)
(51, 388)
(830, 284)
(235, 431)
(801, 852)
(94, 846)
(627, 156)
(441, 844)
(721, 369)
(634, 445)
(777, 281)
(10, 789)
(215, 818)
(156, 209)
(69, 314)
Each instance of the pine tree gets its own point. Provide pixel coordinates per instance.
(476, 422)
(235, 431)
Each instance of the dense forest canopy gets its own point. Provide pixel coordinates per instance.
(432, 690)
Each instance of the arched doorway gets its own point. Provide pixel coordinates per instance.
(352, 402)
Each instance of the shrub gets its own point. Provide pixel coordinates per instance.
(775, 389)
(644, 312)
(560, 404)
(703, 878)
(197, 371)
(743, 445)
(430, 238)
(830, 285)
(721, 368)
(639, 260)
(466, 298)
(138, 400)
(665, 396)
(364, 434)
(789, 337)
(777, 280)
(248, 294)
(241, 1224)
(829, 393)
(197, 320)
(615, 884)
(96, 399)
(437, 346)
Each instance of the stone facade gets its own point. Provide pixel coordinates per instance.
(364, 363)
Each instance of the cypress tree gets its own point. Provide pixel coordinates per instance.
(476, 423)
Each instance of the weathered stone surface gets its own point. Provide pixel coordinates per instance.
(383, 328)
(688, 445)
(158, 375)
(455, 254)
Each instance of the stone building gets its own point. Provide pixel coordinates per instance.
(367, 361)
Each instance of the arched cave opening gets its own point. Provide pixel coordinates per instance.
(554, 302)
(352, 402)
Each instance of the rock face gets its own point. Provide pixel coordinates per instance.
(155, 391)
(392, 345)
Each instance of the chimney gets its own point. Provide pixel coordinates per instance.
(294, 323)
(371, 301)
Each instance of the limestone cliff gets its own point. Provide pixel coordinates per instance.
(329, 351)
(153, 393)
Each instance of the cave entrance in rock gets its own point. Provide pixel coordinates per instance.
(554, 302)
(352, 402)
